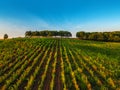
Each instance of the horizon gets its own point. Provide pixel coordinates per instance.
(17, 17)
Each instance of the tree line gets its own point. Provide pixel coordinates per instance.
(46, 33)
(99, 36)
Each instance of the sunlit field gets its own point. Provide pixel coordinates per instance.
(59, 64)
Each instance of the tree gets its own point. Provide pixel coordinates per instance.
(5, 36)
(81, 34)
(46, 33)
(99, 36)
(28, 33)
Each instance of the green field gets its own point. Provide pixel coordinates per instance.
(59, 64)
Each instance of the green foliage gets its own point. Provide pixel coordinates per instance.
(5, 36)
(99, 36)
(46, 33)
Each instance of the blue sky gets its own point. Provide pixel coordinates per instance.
(18, 16)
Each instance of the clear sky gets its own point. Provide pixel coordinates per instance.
(18, 16)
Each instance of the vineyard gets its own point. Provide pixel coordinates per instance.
(59, 64)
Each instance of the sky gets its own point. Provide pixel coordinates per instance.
(19, 16)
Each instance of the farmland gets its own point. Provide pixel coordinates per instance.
(59, 64)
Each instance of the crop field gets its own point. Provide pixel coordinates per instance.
(59, 64)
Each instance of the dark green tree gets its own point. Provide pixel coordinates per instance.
(28, 33)
(99, 36)
(80, 35)
(5, 36)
